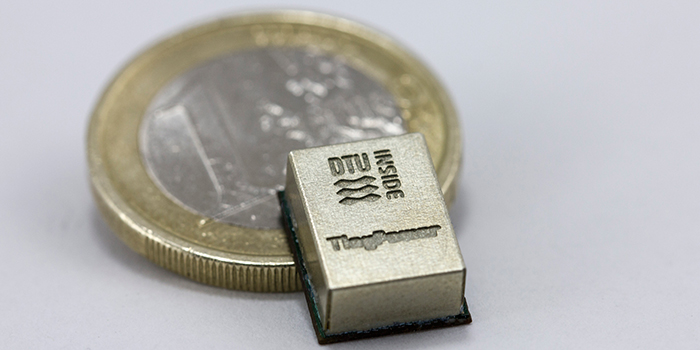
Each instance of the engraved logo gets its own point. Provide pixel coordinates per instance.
(338, 166)
(357, 190)
(362, 189)
(389, 174)
(371, 242)
(354, 190)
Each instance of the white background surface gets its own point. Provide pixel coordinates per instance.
(578, 211)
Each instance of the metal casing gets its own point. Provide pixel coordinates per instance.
(374, 233)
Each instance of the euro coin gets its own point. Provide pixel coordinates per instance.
(187, 146)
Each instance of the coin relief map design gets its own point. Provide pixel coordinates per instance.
(216, 138)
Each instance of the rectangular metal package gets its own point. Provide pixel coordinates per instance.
(373, 239)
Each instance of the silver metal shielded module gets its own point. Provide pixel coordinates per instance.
(373, 239)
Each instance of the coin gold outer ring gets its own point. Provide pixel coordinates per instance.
(221, 254)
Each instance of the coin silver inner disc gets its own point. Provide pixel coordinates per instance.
(216, 138)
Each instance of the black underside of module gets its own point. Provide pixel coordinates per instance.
(464, 317)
